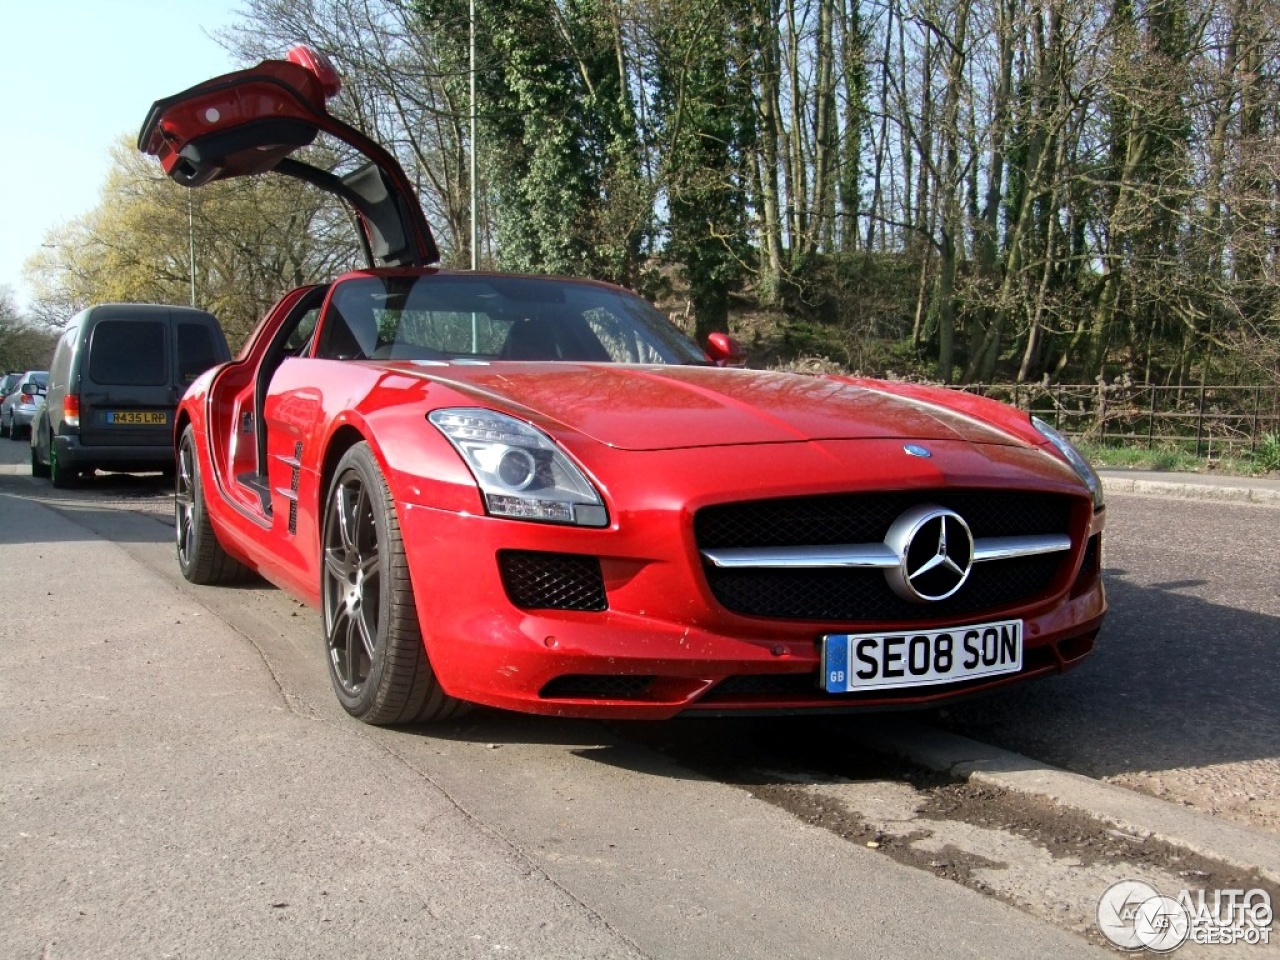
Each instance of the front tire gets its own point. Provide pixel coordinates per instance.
(377, 661)
(200, 555)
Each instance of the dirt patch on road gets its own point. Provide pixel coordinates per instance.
(1024, 850)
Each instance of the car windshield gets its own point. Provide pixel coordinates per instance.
(447, 317)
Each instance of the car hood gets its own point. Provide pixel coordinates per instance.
(672, 407)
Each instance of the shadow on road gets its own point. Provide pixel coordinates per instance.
(103, 504)
(745, 750)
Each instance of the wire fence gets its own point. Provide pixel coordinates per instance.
(1207, 419)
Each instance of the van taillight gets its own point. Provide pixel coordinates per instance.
(71, 410)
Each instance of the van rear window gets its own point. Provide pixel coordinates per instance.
(128, 353)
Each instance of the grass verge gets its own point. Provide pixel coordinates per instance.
(1265, 459)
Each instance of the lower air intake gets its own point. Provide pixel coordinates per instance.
(552, 581)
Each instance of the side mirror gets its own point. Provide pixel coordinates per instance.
(724, 351)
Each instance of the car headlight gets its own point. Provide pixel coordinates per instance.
(1073, 456)
(520, 470)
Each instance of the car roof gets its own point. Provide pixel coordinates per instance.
(112, 311)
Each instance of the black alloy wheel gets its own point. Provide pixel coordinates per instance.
(200, 556)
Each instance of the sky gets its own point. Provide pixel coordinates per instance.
(74, 76)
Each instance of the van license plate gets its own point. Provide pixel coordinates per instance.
(885, 661)
(136, 418)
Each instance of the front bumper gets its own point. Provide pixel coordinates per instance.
(664, 646)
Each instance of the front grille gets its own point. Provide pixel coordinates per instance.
(864, 594)
(861, 595)
(589, 686)
(866, 518)
(552, 581)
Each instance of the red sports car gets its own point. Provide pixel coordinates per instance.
(538, 494)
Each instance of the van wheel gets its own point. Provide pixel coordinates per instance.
(60, 476)
(377, 661)
(200, 555)
(39, 469)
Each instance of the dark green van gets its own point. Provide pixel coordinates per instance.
(117, 374)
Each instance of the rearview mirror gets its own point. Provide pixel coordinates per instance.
(724, 351)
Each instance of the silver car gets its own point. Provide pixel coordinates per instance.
(20, 406)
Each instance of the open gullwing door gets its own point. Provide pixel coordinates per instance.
(252, 121)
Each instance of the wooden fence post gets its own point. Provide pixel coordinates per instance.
(1200, 421)
(1151, 417)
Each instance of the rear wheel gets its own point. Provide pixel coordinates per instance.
(200, 555)
(62, 477)
(377, 661)
(4, 426)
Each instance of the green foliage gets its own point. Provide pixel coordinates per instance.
(1174, 459)
(700, 85)
(1267, 456)
(1164, 458)
(559, 134)
(24, 343)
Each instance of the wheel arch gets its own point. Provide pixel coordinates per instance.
(343, 439)
(179, 428)
(40, 427)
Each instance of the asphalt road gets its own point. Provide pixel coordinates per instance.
(180, 782)
(1180, 699)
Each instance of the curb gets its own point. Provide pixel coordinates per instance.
(1238, 847)
(1191, 491)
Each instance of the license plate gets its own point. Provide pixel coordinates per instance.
(136, 418)
(885, 661)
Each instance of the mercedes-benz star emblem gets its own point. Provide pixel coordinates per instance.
(935, 553)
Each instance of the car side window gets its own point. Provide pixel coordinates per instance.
(347, 335)
(299, 338)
